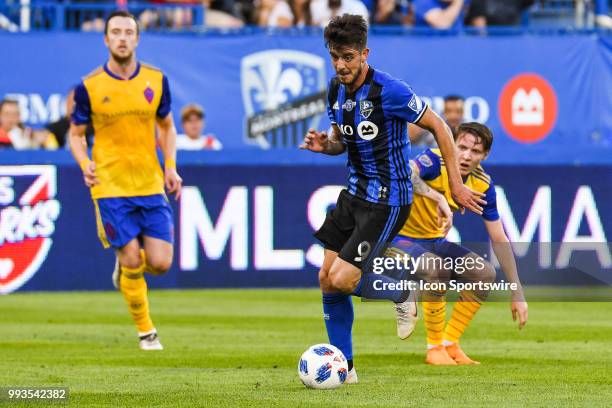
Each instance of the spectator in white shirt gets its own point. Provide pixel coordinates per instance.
(13, 134)
(193, 121)
(322, 11)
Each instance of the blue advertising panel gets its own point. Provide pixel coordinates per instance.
(546, 97)
(252, 226)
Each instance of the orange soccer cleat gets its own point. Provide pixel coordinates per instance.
(439, 356)
(455, 352)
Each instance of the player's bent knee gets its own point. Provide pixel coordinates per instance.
(324, 282)
(342, 283)
(159, 266)
(130, 261)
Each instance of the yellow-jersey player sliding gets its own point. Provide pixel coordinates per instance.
(424, 235)
(124, 100)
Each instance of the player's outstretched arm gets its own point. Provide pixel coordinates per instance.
(465, 197)
(505, 256)
(320, 142)
(167, 142)
(420, 187)
(78, 147)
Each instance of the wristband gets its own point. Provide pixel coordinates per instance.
(170, 164)
(84, 163)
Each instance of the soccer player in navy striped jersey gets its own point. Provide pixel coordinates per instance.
(368, 110)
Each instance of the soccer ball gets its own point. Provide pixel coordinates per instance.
(323, 366)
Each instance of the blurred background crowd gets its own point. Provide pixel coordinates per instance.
(186, 14)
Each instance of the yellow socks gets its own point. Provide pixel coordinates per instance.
(134, 289)
(435, 317)
(463, 313)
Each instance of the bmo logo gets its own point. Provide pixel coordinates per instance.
(366, 130)
(528, 108)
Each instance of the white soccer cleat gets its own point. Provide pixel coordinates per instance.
(150, 342)
(351, 377)
(117, 274)
(407, 316)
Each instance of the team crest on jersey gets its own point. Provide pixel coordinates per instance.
(425, 160)
(416, 104)
(281, 88)
(149, 94)
(348, 105)
(28, 210)
(366, 108)
(367, 130)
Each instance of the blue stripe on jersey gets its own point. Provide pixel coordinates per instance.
(365, 147)
(403, 166)
(395, 195)
(353, 178)
(405, 163)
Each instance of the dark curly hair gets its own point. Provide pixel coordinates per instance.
(348, 30)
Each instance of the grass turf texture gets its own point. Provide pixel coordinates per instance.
(241, 348)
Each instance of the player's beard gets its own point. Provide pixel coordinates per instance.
(122, 60)
(356, 77)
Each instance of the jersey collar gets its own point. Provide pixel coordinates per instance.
(110, 73)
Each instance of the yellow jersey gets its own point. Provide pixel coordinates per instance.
(123, 114)
(422, 222)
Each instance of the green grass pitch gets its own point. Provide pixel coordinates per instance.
(239, 348)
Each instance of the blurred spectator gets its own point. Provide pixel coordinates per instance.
(222, 13)
(192, 119)
(440, 14)
(387, 12)
(12, 133)
(452, 114)
(322, 11)
(55, 134)
(217, 13)
(453, 111)
(282, 13)
(602, 14)
(483, 13)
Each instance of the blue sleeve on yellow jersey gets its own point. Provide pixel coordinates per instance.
(166, 99)
(82, 106)
(489, 212)
(400, 101)
(429, 165)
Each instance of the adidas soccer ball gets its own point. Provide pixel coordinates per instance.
(323, 366)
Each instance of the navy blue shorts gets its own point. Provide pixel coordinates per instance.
(121, 219)
(416, 247)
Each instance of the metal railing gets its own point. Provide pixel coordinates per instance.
(46, 15)
(54, 16)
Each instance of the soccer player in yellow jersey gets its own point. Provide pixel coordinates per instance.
(423, 235)
(124, 100)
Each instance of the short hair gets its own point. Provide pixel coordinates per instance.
(453, 98)
(120, 13)
(7, 102)
(192, 109)
(346, 30)
(483, 133)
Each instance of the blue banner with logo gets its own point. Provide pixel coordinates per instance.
(546, 97)
(252, 225)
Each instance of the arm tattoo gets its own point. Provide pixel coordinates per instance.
(418, 185)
